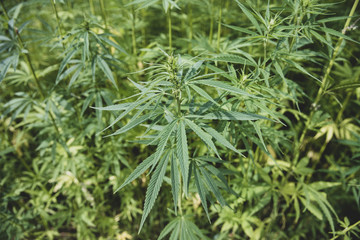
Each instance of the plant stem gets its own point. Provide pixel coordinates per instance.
(102, 7)
(191, 29)
(57, 17)
(219, 27)
(133, 31)
(92, 9)
(324, 82)
(211, 23)
(169, 28)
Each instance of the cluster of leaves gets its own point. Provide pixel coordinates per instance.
(108, 106)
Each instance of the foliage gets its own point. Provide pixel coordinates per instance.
(133, 119)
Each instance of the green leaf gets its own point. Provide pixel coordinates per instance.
(183, 154)
(258, 131)
(337, 34)
(131, 107)
(250, 17)
(213, 186)
(63, 65)
(224, 86)
(193, 70)
(221, 139)
(203, 135)
(203, 93)
(201, 190)
(228, 115)
(170, 226)
(240, 29)
(115, 45)
(164, 137)
(140, 169)
(105, 68)
(301, 69)
(134, 123)
(230, 58)
(154, 188)
(75, 75)
(175, 182)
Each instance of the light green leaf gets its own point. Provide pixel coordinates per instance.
(105, 68)
(228, 115)
(183, 154)
(221, 139)
(140, 169)
(164, 137)
(230, 58)
(203, 93)
(224, 86)
(175, 182)
(250, 16)
(213, 186)
(203, 135)
(201, 190)
(154, 188)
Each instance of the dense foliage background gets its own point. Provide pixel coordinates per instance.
(209, 119)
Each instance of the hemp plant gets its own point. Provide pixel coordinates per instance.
(177, 111)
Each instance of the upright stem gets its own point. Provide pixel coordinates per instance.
(324, 82)
(92, 9)
(169, 28)
(102, 6)
(219, 27)
(191, 28)
(211, 22)
(58, 22)
(133, 31)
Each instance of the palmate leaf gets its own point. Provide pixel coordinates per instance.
(224, 86)
(140, 169)
(228, 115)
(202, 93)
(131, 107)
(63, 64)
(182, 229)
(250, 16)
(134, 123)
(154, 187)
(201, 189)
(164, 137)
(230, 58)
(105, 68)
(221, 139)
(175, 181)
(183, 154)
(212, 185)
(193, 70)
(203, 135)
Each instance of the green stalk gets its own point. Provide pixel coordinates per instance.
(169, 28)
(324, 82)
(102, 7)
(133, 31)
(92, 9)
(211, 23)
(219, 27)
(191, 29)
